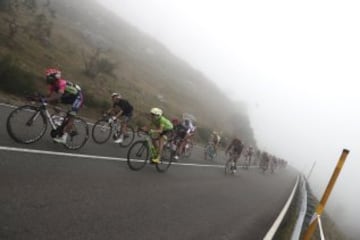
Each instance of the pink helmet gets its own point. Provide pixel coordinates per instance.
(52, 74)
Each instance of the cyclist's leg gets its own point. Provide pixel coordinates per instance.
(69, 121)
(183, 143)
(124, 123)
(161, 141)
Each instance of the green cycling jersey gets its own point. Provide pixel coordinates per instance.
(162, 122)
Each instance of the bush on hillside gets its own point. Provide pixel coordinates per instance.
(92, 102)
(13, 79)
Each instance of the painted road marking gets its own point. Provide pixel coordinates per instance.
(63, 154)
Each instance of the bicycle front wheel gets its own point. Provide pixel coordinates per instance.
(101, 131)
(26, 124)
(128, 137)
(78, 135)
(166, 159)
(137, 155)
(188, 149)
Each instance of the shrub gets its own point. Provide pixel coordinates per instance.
(13, 79)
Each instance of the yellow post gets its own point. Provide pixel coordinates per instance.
(320, 207)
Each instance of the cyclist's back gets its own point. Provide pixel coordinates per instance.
(236, 146)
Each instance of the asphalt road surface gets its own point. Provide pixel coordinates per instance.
(92, 194)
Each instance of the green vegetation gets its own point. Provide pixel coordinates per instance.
(13, 79)
(103, 54)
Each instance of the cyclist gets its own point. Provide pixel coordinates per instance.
(215, 139)
(185, 131)
(67, 93)
(249, 153)
(234, 149)
(162, 126)
(121, 107)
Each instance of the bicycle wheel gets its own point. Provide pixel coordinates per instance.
(101, 131)
(137, 155)
(210, 152)
(166, 159)
(128, 137)
(26, 124)
(188, 149)
(78, 135)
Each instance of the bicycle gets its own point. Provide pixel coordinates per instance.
(188, 148)
(264, 165)
(230, 166)
(28, 124)
(142, 151)
(104, 127)
(210, 152)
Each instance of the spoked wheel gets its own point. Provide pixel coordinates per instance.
(188, 149)
(128, 137)
(166, 159)
(101, 131)
(137, 155)
(210, 153)
(26, 124)
(78, 135)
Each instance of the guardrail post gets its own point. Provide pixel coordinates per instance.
(320, 207)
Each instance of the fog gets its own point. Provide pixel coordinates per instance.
(294, 64)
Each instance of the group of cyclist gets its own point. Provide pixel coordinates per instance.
(69, 93)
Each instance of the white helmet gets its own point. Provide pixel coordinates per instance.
(115, 94)
(156, 111)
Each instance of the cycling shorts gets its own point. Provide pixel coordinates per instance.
(127, 116)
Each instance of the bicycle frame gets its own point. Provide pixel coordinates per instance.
(42, 109)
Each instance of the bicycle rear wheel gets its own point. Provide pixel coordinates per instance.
(128, 137)
(188, 149)
(166, 159)
(26, 124)
(78, 135)
(101, 131)
(137, 155)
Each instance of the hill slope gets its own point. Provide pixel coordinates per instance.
(145, 71)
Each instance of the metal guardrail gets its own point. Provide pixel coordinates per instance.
(307, 206)
(303, 209)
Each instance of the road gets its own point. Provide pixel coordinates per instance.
(46, 195)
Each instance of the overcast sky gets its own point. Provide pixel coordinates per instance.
(295, 65)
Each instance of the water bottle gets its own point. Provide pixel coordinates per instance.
(58, 120)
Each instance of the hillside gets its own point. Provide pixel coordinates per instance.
(143, 70)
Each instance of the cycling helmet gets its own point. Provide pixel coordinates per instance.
(156, 112)
(115, 94)
(52, 74)
(175, 121)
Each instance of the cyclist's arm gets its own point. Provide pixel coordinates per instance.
(54, 96)
(116, 111)
(158, 130)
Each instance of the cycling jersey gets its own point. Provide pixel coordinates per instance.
(190, 128)
(236, 146)
(71, 93)
(162, 122)
(125, 106)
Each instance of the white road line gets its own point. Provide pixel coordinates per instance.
(7, 105)
(34, 151)
(271, 233)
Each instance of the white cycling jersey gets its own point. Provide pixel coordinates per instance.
(190, 127)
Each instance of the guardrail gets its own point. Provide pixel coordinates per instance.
(306, 212)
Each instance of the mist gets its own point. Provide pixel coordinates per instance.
(294, 65)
